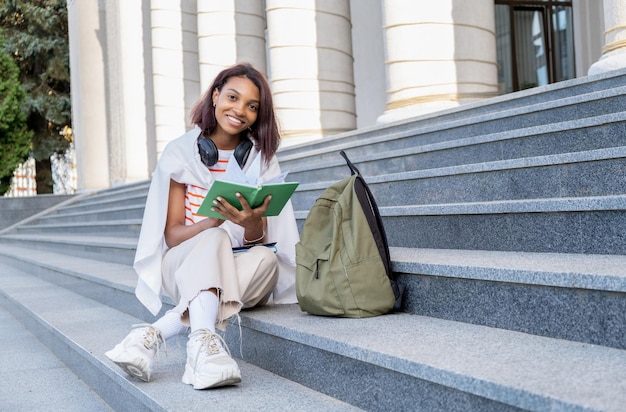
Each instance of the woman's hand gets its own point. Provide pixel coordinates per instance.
(210, 222)
(250, 219)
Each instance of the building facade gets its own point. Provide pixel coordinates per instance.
(334, 65)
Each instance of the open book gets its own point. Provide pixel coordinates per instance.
(255, 195)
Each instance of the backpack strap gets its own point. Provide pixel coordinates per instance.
(353, 169)
(375, 222)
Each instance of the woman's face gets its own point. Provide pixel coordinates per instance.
(236, 106)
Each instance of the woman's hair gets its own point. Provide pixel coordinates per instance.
(264, 130)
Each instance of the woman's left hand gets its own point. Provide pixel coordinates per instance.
(248, 218)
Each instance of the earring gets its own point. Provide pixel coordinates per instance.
(213, 104)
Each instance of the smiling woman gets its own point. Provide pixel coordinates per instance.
(265, 130)
(191, 256)
(236, 107)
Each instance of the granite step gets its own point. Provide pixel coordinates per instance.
(79, 330)
(601, 132)
(124, 202)
(412, 362)
(580, 174)
(452, 207)
(404, 361)
(589, 225)
(16, 209)
(126, 227)
(575, 297)
(98, 213)
(566, 296)
(137, 197)
(117, 192)
(575, 99)
(34, 379)
(116, 249)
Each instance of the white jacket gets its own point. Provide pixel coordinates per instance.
(181, 162)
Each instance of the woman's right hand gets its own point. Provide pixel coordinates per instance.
(210, 222)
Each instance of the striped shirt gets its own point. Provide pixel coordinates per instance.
(194, 195)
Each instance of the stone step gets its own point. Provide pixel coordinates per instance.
(117, 192)
(33, 213)
(406, 362)
(577, 99)
(123, 202)
(79, 330)
(589, 225)
(395, 156)
(115, 249)
(462, 190)
(111, 208)
(129, 200)
(413, 362)
(580, 174)
(127, 228)
(16, 209)
(99, 213)
(34, 379)
(574, 297)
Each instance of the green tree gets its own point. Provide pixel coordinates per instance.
(14, 135)
(36, 36)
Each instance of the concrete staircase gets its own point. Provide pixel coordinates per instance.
(507, 221)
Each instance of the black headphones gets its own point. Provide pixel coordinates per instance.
(209, 154)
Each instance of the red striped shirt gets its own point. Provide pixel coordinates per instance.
(195, 195)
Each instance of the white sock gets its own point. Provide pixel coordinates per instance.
(170, 325)
(203, 311)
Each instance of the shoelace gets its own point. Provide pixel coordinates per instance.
(210, 342)
(152, 338)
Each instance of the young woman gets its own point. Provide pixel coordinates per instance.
(190, 257)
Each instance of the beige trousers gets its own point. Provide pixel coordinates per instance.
(206, 261)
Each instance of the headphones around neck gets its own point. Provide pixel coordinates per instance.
(209, 154)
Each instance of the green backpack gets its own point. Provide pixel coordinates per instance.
(343, 266)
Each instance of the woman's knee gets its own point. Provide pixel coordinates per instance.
(215, 234)
(211, 245)
(266, 256)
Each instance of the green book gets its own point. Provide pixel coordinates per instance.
(255, 195)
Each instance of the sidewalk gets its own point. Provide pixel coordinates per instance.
(33, 379)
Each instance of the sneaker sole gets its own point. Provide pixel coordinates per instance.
(135, 371)
(224, 378)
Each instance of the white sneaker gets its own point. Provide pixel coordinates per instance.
(135, 354)
(208, 364)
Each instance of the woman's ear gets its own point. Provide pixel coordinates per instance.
(215, 95)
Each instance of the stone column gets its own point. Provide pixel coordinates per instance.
(439, 54)
(89, 122)
(614, 50)
(175, 67)
(230, 32)
(191, 62)
(126, 91)
(310, 55)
